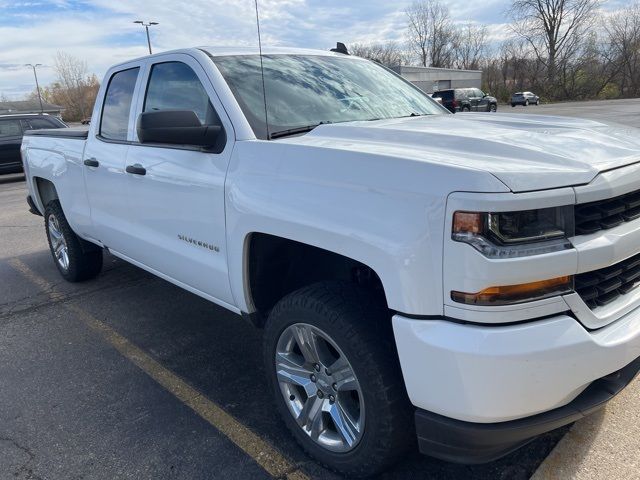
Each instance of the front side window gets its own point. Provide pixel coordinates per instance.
(117, 105)
(10, 128)
(175, 86)
(306, 90)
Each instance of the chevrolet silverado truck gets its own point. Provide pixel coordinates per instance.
(462, 283)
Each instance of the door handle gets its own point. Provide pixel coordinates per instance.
(92, 162)
(136, 169)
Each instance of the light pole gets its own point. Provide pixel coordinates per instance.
(37, 85)
(146, 27)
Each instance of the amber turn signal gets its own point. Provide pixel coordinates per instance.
(467, 222)
(510, 294)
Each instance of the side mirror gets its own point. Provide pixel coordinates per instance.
(178, 127)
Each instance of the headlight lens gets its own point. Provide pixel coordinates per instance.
(515, 234)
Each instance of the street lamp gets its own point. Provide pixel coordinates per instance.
(146, 26)
(37, 85)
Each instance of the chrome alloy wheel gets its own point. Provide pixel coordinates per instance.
(320, 387)
(58, 243)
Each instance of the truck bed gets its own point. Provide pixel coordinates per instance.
(77, 133)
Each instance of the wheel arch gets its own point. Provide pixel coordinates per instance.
(45, 191)
(274, 266)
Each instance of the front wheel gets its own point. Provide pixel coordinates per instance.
(493, 107)
(466, 109)
(331, 360)
(526, 103)
(75, 260)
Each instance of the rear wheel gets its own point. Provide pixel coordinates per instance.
(526, 103)
(513, 105)
(329, 354)
(76, 260)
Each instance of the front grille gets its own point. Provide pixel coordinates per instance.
(604, 214)
(601, 287)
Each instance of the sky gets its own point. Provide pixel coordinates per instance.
(102, 32)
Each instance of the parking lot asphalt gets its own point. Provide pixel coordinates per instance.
(625, 112)
(129, 377)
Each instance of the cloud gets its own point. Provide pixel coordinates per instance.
(101, 32)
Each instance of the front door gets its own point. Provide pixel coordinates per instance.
(176, 192)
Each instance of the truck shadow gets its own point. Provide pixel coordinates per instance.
(219, 354)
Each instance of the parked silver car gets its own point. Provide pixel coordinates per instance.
(524, 98)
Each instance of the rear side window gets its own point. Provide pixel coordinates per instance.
(117, 105)
(175, 86)
(10, 128)
(461, 94)
(40, 123)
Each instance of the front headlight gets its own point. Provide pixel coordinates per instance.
(515, 234)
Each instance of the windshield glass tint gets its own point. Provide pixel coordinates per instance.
(306, 90)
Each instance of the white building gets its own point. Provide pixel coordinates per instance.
(432, 79)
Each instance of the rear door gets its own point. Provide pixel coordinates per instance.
(474, 99)
(176, 198)
(104, 160)
(10, 140)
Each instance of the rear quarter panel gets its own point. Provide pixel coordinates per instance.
(59, 160)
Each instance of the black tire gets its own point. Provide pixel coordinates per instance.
(526, 103)
(84, 258)
(361, 328)
(466, 109)
(513, 105)
(493, 107)
(538, 102)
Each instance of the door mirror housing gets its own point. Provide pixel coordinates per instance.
(179, 127)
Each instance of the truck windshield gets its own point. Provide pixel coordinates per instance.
(303, 91)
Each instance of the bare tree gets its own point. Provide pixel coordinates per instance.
(388, 54)
(623, 45)
(74, 88)
(553, 28)
(470, 46)
(431, 33)
(3, 97)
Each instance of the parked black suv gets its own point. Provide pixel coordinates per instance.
(12, 128)
(467, 100)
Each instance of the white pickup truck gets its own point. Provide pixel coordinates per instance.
(470, 280)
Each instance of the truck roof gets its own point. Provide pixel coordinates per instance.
(224, 51)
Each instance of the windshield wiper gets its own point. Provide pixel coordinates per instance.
(294, 131)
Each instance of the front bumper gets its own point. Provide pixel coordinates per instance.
(468, 442)
(490, 374)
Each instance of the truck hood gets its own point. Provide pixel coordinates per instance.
(525, 152)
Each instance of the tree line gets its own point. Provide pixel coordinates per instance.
(74, 88)
(561, 49)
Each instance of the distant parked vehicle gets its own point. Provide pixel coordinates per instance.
(467, 100)
(525, 99)
(12, 127)
(86, 121)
